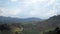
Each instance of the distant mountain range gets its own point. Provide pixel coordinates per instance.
(52, 22)
(10, 19)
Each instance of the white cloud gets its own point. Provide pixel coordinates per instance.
(9, 12)
(30, 8)
(51, 13)
(14, 0)
(33, 13)
(43, 14)
(32, 2)
(51, 2)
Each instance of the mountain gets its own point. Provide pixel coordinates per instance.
(52, 22)
(10, 19)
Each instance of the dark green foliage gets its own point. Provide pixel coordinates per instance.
(8, 28)
(30, 29)
(55, 31)
(27, 28)
(4, 27)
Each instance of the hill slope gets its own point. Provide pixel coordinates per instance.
(49, 23)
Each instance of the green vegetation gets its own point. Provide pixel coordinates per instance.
(18, 28)
(48, 26)
(55, 31)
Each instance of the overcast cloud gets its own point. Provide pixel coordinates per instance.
(29, 8)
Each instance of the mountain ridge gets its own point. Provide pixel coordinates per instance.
(10, 19)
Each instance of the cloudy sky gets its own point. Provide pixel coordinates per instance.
(29, 8)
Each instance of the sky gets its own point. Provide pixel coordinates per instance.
(29, 8)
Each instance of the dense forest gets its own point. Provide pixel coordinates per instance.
(48, 26)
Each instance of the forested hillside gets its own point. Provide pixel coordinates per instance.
(49, 23)
(39, 27)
